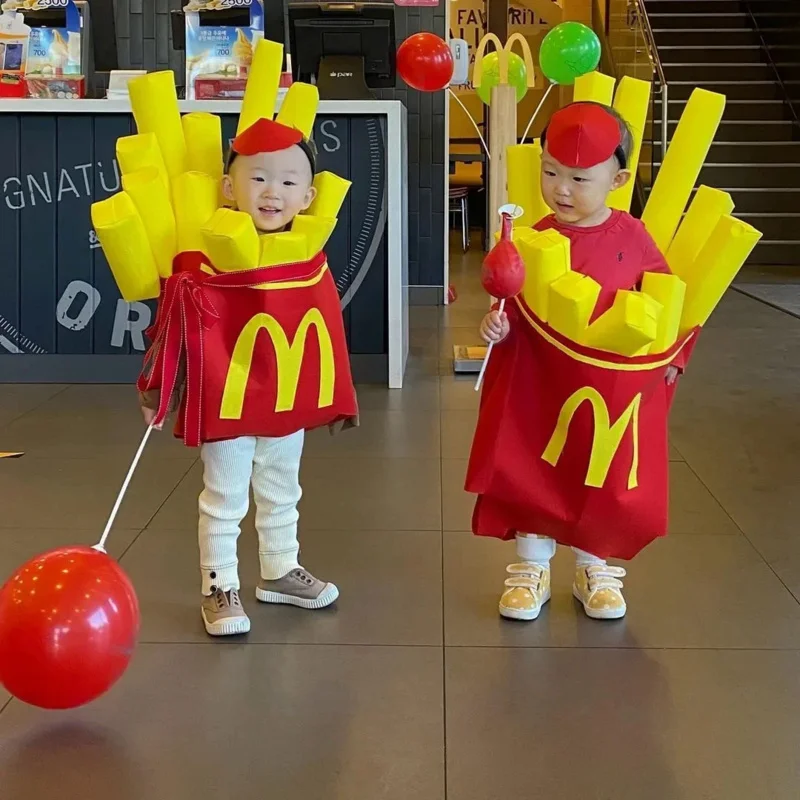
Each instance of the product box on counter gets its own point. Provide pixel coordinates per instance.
(70, 87)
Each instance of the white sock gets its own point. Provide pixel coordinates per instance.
(276, 490)
(533, 549)
(584, 559)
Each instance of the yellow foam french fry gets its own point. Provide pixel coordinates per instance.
(546, 258)
(570, 304)
(138, 152)
(631, 102)
(203, 133)
(126, 247)
(316, 230)
(154, 103)
(153, 203)
(195, 197)
(282, 248)
(523, 171)
(670, 292)
(706, 209)
(682, 164)
(714, 269)
(299, 108)
(593, 87)
(263, 81)
(628, 328)
(331, 193)
(231, 240)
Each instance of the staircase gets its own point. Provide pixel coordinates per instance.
(720, 45)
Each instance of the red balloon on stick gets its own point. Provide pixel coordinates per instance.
(69, 620)
(503, 272)
(424, 62)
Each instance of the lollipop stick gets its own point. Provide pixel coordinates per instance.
(101, 545)
(488, 353)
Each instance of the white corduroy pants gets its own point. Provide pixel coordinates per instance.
(230, 468)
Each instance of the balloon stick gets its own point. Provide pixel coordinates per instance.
(536, 113)
(478, 383)
(469, 116)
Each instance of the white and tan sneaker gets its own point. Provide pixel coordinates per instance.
(599, 589)
(297, 588)
(223, 614)
(527, 590)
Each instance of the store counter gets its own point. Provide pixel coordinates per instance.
(61, 316)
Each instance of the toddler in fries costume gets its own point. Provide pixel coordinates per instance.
(249, 340)
(571, 445)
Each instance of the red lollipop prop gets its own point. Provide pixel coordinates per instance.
(502, 276)
(69, 620)
(424, 62)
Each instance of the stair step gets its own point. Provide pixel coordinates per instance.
(730, 38)
(775, 254)
(788, 36)
(734, 90)
(704, 54)
(739, 130)
(733, 71)
(717, 21)
(758, 200)
(751, 176)
(739, 152)
(776, 226)
(717, 6)
(735, 109)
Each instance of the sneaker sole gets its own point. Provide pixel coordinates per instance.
(522, 614)
(609, 613)
(328, 596)
(227, 627)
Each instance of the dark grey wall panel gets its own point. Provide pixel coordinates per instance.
(143, 45)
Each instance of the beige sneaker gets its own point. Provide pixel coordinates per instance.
(599, 588)
(527, 590)
(223, 614)
(298, 588)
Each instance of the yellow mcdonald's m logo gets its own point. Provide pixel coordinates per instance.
(502, 57)
(606, 439)
(289, 359)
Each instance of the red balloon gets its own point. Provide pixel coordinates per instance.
(425, 62)
(69, 620)
(503, 271)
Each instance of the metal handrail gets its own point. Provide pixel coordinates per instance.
(652, 53)
(787, 98)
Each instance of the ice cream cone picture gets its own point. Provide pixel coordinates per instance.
(242, 53)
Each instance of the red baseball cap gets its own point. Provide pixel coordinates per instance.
(582, 135)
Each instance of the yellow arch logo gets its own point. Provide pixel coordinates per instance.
(606, 439)
(289, 358)
(502, 55)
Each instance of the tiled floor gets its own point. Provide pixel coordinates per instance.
(412, 688)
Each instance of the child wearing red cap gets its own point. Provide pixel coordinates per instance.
(586, 150)
(269, 175)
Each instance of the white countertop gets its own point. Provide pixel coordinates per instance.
(15, 106)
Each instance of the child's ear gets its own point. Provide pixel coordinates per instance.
(621, 178)
(227, 188)
(311, 195)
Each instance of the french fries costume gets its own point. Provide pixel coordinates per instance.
(571, 441)
(252, 322)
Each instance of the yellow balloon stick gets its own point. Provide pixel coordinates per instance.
(261, 92)
(151, 197)
(231, 241)
(154, 102)
(195, 199)
(594, 87)
(706, 209)
(126, 247)
(714, 269)
(631, 102)
(203, 133)
(523, 171)
(682, 164)
(299, 108)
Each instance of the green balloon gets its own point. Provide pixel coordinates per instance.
(517, 76)
(569, 51)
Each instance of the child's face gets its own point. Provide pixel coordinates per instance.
(273, 188)
(578, 196)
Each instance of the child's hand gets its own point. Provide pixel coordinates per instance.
(149, 415)
(672, 375)
(494, 327)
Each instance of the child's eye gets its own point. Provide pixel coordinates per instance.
(549, 173)
(258, 179)
(289, 183)
(578, 179)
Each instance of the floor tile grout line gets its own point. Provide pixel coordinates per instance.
(6, 705)
(36, 407)
(742, 531)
